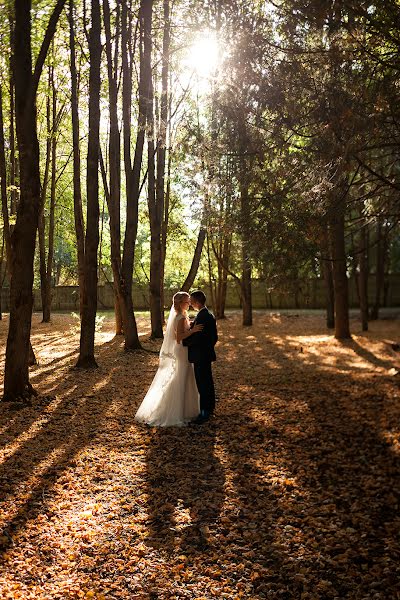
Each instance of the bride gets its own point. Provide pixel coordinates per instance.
(172, 398)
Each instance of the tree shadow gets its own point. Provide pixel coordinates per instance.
(316, 479)
(185, 487)
(366, 354)
(46, 448)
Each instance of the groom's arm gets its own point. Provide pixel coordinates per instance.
(207, 336)
(196, 338)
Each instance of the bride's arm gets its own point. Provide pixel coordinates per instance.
(182, 333)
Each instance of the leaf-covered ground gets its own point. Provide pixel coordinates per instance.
(291, 491)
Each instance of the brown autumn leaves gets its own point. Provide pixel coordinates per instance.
(292, 491)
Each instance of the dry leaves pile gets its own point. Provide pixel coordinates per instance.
(291, 491)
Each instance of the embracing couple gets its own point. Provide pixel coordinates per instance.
(182, 390)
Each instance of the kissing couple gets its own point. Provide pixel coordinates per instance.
(182, 390)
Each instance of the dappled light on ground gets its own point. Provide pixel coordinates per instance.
(291, 491)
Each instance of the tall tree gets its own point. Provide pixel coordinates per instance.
(16, 383)
(78, 211)
(89, 293)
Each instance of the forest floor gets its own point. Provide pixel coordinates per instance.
(292, 490)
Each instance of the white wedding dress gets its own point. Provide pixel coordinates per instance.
(172, 398)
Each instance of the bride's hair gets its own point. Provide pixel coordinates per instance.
(177, 299)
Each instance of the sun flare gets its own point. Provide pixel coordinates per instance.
(203, 55)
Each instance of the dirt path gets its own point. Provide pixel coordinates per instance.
(292, 491)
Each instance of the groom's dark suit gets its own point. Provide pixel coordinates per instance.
(201, 353)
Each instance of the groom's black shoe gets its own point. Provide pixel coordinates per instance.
(202, 418)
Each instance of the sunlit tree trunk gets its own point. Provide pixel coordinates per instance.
(78, 211)
(162, 186)
(46, 263)
(132, 173)
(114, 151)
(245, 286)
(89, 297)
(194, 267)
(155, 217)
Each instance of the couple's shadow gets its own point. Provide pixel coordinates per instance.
(185, 482)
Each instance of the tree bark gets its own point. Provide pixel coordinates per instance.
(132, 173)
(363, 278)
(113, 195)
(78, 211)
(16, 383)
(42, 222)
(13, 159)
(89, 297)
(245, 286)
(162, 188)
(380, 269)
(194, 267)
(3, 181)
(155, 225)
(327, 269)
(339, 270)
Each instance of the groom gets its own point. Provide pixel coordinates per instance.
(201, 353)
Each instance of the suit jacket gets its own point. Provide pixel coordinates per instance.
(201, 344)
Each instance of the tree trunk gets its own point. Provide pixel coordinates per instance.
(210, 276)
(339, 271)
(327, 268)
(191, 276)
(164, 232)
(155, 229)
(161, 191)
(89, 301)
(132, 174)
(363, 278)
(155, 204)
(50, 251)
(3, 182)
(245, 286)
(380, 269)
(13, 160)
(113, 194)
(42, 222)
(78, 212)
(16, 383)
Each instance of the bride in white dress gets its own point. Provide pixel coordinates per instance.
(173, 398)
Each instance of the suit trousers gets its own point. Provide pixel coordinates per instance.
(205, 385)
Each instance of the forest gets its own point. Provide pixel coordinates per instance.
(213, 144)
(223, 140)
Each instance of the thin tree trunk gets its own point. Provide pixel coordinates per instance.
(339, 271)
(363, 278)
(327, 269)
(132, 341)
(380, 270)
(3, 182)
(50, 251)
(163, 190)
(164, 231)
(194, 267)
(114, 150)
(16, 383)
(155, 225)
(42, 222)
(78, 211)
(13, 163)
(89, 305)
(246, 261)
